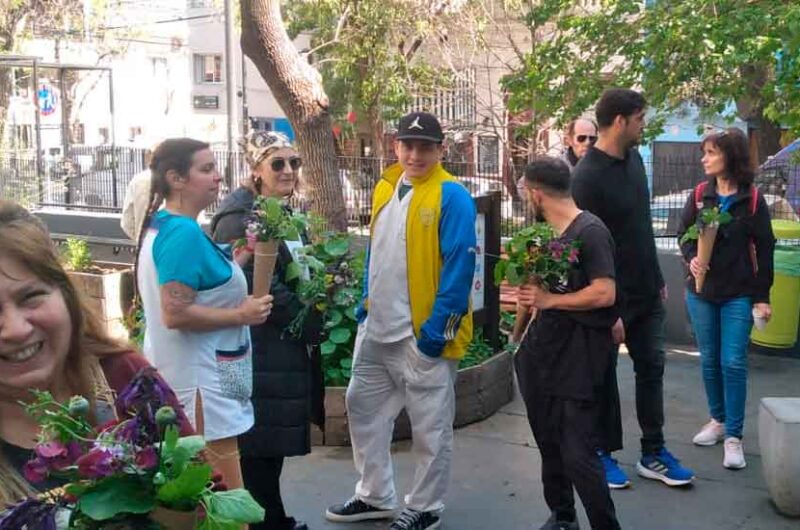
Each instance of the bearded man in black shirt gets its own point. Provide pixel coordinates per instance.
(562, 365)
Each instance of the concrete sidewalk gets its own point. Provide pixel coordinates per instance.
(496, 465)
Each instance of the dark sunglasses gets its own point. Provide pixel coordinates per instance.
(581, 138)
(278, 164)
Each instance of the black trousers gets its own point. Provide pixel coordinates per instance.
(644, 338)
(566, 434)
(262, 478)
(563, 430)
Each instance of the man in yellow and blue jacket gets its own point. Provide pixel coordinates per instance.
(415, 323)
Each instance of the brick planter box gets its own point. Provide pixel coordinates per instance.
(108, 294)
(480, 392)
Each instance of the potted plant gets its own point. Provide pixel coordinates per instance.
(271, 224)
(704, 231)
(535, 255)
(136, 472)
(107, 287)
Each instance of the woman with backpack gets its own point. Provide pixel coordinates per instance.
(736, 286)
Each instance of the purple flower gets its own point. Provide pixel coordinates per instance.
(147, 458)
(128, 431)
(35, 471)
(145, 391)
(30, 513)
(573, 256)
(57, 456)
(98, 463)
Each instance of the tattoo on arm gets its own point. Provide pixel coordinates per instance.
(175, 297)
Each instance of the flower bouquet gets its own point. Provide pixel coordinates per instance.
(133, 473)
(271, 224)
(704, 231)
(535, 255)
(334, 289)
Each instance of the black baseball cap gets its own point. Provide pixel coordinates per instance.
(420, 126)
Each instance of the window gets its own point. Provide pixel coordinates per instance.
(104, 136)
(197, 4)
(207, 69)
(488, 154)
(133, 132)
(78, 133)
(455, 106)
(23, 136)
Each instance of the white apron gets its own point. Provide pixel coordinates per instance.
(216, 364)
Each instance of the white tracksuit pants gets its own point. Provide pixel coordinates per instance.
(385, 378)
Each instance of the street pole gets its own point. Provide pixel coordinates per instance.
(230, 90)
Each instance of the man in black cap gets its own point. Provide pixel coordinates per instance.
(414, 324)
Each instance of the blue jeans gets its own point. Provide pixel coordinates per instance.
(722, 332)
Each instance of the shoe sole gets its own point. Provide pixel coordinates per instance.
(735, 468)
(367, 516)
(433, 526)
(647, 473)
(703, 443)
(619, 486)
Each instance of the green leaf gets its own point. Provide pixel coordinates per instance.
(350, 313)
(187, 487)
(337, 247)
(233, 506)
(334, 318)
(340, 335)
(293, 271)
(327, 347)
(117, 495)
(513, 276)
(192, 444)
(500, 272)
(346, 363)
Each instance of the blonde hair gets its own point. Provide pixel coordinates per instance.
(25, 239)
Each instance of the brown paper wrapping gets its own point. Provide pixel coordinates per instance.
(705, 245)
(264, 258)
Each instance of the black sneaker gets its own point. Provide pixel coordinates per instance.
(555, 524)
(356, 510)
(414, 520)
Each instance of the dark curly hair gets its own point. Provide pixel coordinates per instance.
(735, 148)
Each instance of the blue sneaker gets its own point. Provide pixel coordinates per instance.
(615, 476)
(664, 467)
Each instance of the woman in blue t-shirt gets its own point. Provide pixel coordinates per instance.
(196, 306)
(736, 285)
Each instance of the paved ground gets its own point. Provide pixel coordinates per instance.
(496, 466)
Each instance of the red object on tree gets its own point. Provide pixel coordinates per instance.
(337, 130)
(351, 117)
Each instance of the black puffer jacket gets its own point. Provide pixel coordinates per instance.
(288, 387)
(732, 271)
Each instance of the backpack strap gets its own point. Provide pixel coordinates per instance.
(699, 190)
(752, 245)
(753, 201)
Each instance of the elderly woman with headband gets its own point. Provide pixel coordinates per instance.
(288, 386)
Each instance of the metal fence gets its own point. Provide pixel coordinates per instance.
(95, 179)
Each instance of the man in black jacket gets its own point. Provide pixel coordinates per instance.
(610, 181)
(562, 365)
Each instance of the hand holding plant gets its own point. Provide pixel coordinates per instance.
(705, 232)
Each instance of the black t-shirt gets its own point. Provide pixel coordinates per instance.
(570, 350)
(616, 191)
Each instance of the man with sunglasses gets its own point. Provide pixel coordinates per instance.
(415, 323)
(610, 181)
(581, 134)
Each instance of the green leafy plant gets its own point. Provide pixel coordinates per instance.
(121, 474)
(334, 289)
(536, 255)
(273, 221)
(76, 255)
(478, 351)
(707, 217)
(135, 324)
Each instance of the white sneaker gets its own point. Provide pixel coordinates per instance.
(734, 454)
(711, 433)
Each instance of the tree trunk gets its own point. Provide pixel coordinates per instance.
(376, 129)
(297, 87)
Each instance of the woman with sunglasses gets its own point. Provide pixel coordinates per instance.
(288, 384)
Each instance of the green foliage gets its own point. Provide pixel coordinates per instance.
(57, 421)
(76, 255)
(334, 290)
(536, 255)
(678, 51)
(708, 217)
(274, 221)
(365, 51)
(135, 324)
(478, 351)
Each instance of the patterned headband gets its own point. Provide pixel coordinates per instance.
(258, 144)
